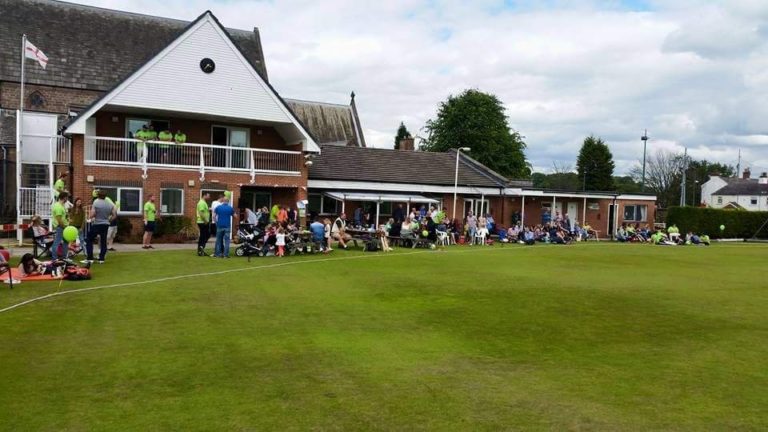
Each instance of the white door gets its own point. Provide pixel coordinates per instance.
(39, 131)
(573, 211)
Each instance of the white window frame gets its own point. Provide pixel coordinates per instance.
(635, 212)
(719, 199)
(323, 211)
(118, 189)
(753, 201)
(182, 201)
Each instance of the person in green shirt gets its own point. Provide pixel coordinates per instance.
(273, 213)
(153, 150)
(142, 135)
(166, 137)
(150, 215)
(180, 138)
(59, 186)
(60, 220)
(203, 223)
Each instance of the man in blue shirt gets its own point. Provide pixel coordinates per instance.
(318, 233)
(224, 214)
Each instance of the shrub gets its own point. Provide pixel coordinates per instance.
(124, 228)
(738, 223)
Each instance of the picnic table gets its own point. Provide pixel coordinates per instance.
(364, 236)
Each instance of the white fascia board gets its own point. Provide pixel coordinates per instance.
(636, 197)
(399, 187)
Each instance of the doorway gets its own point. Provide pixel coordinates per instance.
(573, 211)
(611, 220)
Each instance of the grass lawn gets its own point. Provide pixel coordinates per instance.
(585, 337)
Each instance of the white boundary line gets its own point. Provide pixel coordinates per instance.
(221, 272)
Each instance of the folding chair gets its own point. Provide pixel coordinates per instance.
(443, 239)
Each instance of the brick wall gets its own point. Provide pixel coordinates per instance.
(57, 99)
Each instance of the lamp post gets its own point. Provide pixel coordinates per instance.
(644, 138)
(456, 177)
(695, 186)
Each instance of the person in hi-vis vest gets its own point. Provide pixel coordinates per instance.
(178, 150)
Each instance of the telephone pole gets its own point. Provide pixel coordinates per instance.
(685, 172)
(644, 139)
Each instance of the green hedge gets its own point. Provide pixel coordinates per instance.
(738, 223)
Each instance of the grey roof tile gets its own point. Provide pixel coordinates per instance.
(90, 47)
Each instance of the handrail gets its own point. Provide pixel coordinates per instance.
(211, 146)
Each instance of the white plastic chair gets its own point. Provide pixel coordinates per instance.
(480, 236)
(443, 239)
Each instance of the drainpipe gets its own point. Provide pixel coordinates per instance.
(5, 178)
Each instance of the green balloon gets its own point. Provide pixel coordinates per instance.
(722, 227)
(70, 234)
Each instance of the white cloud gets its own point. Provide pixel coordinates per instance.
(691, 71)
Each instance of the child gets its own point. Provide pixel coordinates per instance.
(327, 239)
(29, 266)
(280, 242)
(382, 234)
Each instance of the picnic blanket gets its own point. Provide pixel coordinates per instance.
(17, 276)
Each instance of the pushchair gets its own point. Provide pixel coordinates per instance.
(249, 237)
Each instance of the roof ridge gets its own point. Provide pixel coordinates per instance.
(318, 102)
(70, 4)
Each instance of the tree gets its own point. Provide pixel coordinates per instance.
(662, 176)
(562, 177)
(402, 133)
(475, 119)
(595, 165)
(626, 184)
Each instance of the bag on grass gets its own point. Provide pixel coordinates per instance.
(372, 245)
(77, 274)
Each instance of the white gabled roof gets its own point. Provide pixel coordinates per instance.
(173, 81)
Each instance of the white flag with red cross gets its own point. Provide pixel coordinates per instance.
(34, 53)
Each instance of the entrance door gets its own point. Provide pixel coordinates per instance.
(238, 142)
(611, 220)
(573, 211)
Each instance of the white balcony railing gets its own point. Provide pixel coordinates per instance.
(44, 148)
(202, 157)
(36, 201)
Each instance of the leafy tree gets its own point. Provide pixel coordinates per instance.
(562, 177)
(595, 165)
(626, 184)
(402, 133)
(475, 119)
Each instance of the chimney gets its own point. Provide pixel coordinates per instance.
(406, 144)
(747, 174)
(763, 178)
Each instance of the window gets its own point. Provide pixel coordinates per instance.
(132, 125)
(720, 200)
(330, 206)
(635, 213)
(753, 201)
(215, 193)
(255, 199)
(385, 209)
(172, 201)
(323, 204)
(128, 197)
(237, 140)
(33, 175)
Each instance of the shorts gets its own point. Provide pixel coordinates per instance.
(149, 227)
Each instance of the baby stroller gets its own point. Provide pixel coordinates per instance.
(249, 237)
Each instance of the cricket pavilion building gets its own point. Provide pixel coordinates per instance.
(210, 83)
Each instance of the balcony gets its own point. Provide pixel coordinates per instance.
(201, 157)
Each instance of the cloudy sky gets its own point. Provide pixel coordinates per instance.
(693, 72)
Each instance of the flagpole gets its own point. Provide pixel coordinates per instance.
(19, 139)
